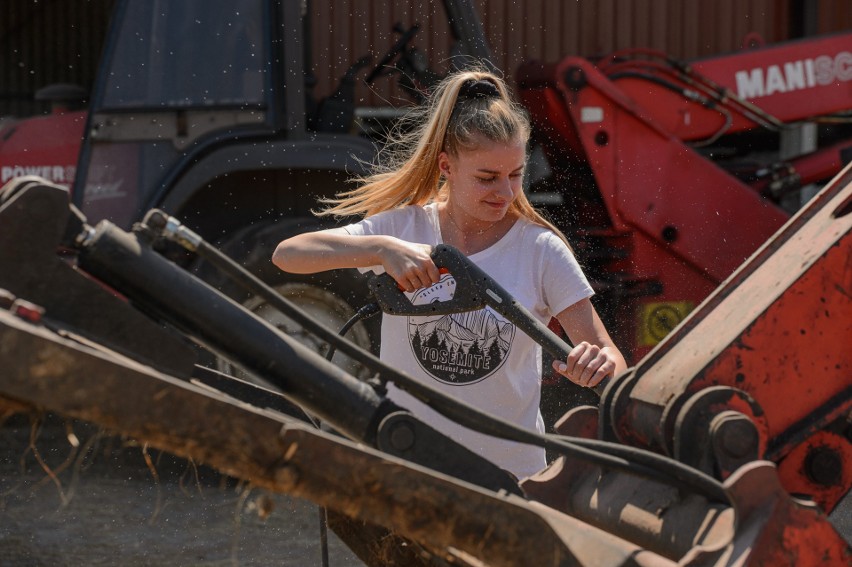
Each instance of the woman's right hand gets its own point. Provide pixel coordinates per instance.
(409, 264)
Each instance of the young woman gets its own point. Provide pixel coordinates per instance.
(456, 178)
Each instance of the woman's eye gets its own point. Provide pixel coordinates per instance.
(486, 179)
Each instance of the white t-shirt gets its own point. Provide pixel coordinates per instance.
(479, 357)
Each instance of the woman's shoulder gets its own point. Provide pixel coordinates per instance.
(396, 221)
(533, 233)
(403, 212)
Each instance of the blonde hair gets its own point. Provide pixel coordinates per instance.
(407, 173)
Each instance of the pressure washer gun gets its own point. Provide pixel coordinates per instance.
(474, 290)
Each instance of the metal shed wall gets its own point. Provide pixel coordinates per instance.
(549, 29)
(56, 41)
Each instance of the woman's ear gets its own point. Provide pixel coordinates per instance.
(444, 164)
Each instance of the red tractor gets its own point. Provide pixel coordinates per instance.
(668, 174)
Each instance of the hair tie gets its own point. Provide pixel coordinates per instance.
(481, 88)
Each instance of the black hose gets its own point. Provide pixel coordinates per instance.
(601, 453)
(688, 94)
(365, 312)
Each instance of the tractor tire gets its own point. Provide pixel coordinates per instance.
(330, 298)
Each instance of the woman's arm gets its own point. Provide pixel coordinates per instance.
(594, 356)
(408, 263)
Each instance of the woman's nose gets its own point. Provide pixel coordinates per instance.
(506, 189)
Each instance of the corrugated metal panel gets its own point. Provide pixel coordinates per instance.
(43, 43)
(834, 15)
(345, 30)
(547, 29)
(53, 41)
(540, 29)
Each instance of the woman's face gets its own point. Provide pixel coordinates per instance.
(484, 181)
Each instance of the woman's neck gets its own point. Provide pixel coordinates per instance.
(471, 235)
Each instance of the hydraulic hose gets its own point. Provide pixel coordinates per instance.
(659, 62)
(688, 94)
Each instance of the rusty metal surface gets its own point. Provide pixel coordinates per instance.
(49, 372)
(764, 526)
(441, 513)
(451, 519)
(814, 245)
(777, 331)
(655, 515)
(821, 457)
(775, 529)
(274, 452)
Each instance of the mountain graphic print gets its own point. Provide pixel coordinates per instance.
(462, 348)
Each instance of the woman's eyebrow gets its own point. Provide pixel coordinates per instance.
(495, 172)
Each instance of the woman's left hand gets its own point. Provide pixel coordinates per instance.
(587, 364)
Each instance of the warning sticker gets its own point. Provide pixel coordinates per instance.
(656, 320)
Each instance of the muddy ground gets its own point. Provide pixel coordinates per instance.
(111, 502)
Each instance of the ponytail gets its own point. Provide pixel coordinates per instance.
(463, 106)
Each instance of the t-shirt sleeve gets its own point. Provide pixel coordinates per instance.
(391, 222)
(563, 281)
(387, 222)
